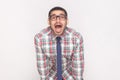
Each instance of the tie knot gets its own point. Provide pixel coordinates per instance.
(58, 38)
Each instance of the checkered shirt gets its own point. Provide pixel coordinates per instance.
(72, 54)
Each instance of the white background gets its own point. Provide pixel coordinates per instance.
(97, 20)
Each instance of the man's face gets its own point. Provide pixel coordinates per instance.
(58, 21)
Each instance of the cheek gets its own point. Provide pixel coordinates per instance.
(65, 23)
(51, 23)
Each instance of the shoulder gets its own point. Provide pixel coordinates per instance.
(42, 33)
(73, 33)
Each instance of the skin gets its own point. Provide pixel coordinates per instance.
(58, 25)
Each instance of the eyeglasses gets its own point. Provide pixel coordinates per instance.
(54, 17)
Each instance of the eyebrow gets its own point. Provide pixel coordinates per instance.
(55, 14)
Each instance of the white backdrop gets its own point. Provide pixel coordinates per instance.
(97, 20)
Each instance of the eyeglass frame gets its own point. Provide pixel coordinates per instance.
(56, 16)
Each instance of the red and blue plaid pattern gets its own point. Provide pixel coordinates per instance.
(72, 54)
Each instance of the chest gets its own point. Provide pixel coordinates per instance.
(67, 47)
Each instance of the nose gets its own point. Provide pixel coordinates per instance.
(58, 19)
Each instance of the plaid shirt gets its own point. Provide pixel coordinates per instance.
(72, 54)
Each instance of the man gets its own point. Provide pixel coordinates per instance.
(59, 49)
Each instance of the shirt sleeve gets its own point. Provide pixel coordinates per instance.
(67, 75)
(78, 60)
(76, 67)
(41, 60)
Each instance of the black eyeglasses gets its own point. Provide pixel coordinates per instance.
(61, 17)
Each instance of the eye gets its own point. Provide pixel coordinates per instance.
(62, 16)
(53, 17)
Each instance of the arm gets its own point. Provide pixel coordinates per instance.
(75, 68)
(41, 60)
(78, 61)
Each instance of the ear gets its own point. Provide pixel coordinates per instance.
(67, 21)
(48, 22)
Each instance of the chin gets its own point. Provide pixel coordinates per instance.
(59, 33)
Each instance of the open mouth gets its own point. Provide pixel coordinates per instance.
(58, 26)
(58, 29)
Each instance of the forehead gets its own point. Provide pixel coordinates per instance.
(57, 12)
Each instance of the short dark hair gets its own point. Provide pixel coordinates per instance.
(57, 8)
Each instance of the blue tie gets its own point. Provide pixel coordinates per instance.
(59, 61)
